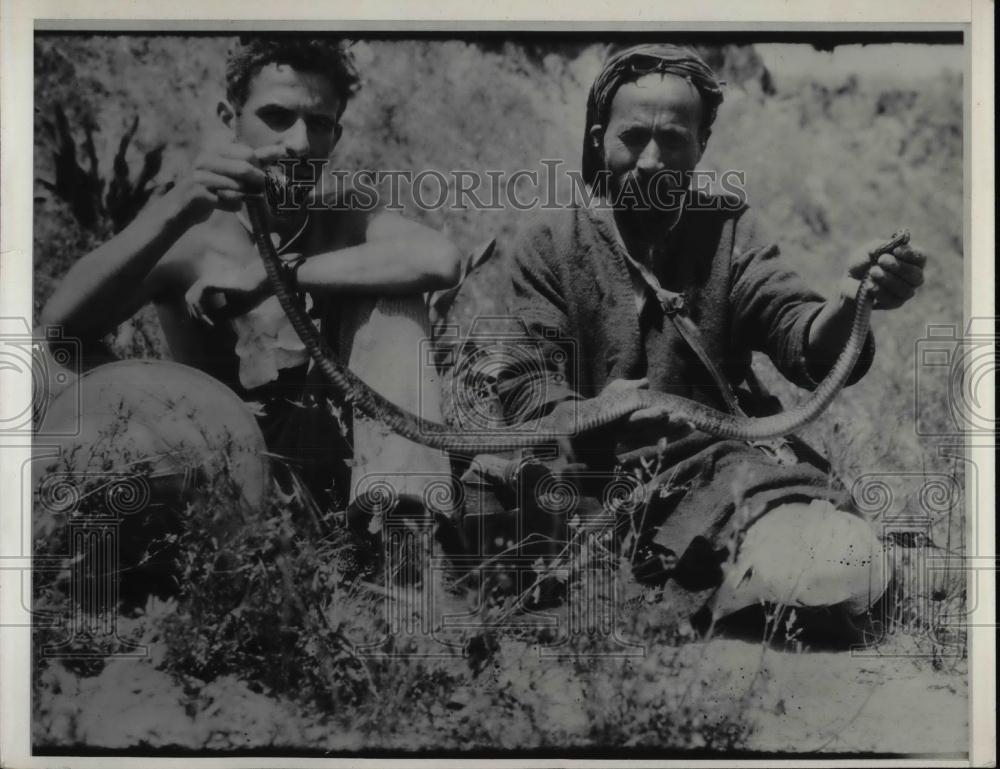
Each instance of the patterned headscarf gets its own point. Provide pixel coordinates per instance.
(627, 66)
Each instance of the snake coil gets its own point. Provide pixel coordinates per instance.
(587, 415)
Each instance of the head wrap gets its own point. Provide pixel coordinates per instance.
(627, 66)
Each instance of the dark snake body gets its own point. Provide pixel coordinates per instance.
(585, 416)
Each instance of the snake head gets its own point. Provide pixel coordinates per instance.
(282, 195)
(274, 187)
(898, 238)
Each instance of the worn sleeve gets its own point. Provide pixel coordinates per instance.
(773, 308)
(533, 375)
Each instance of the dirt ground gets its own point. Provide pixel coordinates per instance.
(838, 702)
(798, 702)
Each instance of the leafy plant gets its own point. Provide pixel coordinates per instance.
(82, 186)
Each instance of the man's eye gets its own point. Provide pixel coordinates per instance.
(278, 119)
(634, 137)
(670, 140)
(321, 124)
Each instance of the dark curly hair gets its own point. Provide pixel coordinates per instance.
(309, 53)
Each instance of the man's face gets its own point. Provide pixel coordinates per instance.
(295, 109)
(653, 134)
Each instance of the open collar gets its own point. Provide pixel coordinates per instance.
(644, 281)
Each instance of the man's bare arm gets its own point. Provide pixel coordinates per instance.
(398, 257)
(111, 283)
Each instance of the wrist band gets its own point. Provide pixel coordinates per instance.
(291, 270)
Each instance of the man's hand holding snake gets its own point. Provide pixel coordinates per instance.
(896, 275)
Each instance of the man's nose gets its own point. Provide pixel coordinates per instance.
(650, 161)
(296, 139)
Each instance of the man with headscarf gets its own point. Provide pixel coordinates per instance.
(655, 285)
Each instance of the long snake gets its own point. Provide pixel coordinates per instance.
(584, 416)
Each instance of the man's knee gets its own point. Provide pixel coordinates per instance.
(388, 351)
(808, 554)
(389, 340)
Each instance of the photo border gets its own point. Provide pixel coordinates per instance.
(21, 18)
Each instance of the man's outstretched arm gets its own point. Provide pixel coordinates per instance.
(397, 257)
(897, 276)
(801, 331)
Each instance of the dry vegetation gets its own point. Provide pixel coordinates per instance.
(278, 635)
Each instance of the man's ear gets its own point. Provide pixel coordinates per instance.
(703, 141)
(227, 114)
(597, 136)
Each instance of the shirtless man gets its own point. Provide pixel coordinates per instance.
(191, 252)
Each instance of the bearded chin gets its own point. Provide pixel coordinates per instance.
(659, 195)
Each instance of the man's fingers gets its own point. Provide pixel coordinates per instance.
(215, 182)
(905, 271)
(195, 312)
(200, 315)
(192, 297)
(260, 156)
(240, 170)
(224, 146)
(193, 293)
(228, 200)
(196, 309)
(892, 290)
(651, 415)
(904, 253)
(629, 384)
(269, 154)
(907, 253)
